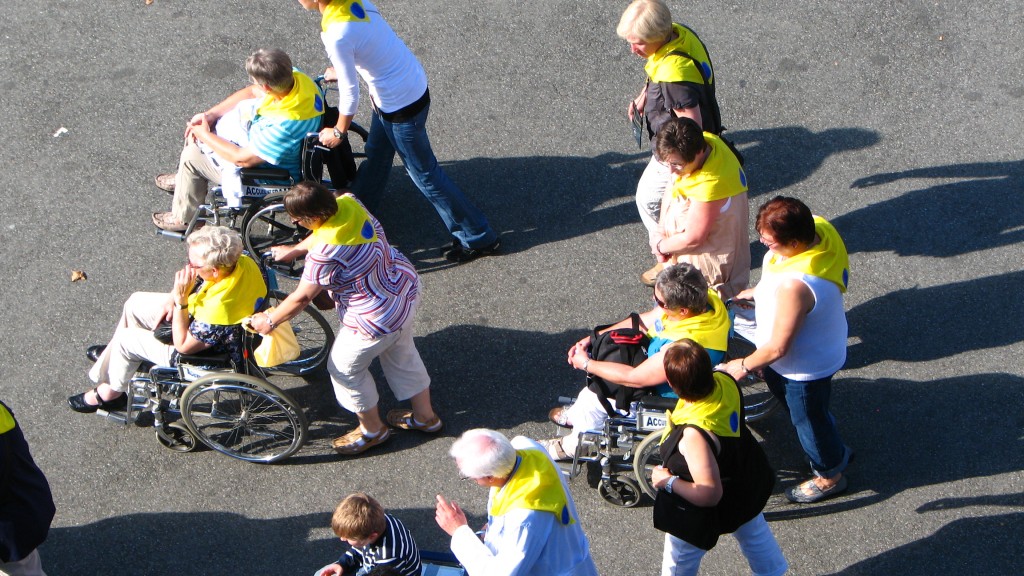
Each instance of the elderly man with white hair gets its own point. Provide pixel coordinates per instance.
(532, 525)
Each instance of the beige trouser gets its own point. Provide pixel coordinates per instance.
(133, 341)
(195, 173)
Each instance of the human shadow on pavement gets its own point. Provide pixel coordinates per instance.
(937, 322)
(976, 210)
(777, 158)
(908, 435)
(542, 199)
(988, 544)
(171, 543)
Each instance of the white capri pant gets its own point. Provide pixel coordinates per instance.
(349, 366)
(133, 341)
(30, 565)
(649, 192)
(755, 539)
(586, 413)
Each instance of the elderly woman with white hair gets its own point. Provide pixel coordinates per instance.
(532, 524)
(215, 290)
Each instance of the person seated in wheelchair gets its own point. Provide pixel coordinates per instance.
(261, 125)
(685, 307)
(216, 289)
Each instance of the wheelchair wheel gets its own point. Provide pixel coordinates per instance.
(647, 456)
(244, 417)
(176, 437)
(266, 225)
(315, 336)
(620, 491)
(758, 400)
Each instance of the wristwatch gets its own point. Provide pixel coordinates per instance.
(668, 485)
(180, 306)
(338, 134)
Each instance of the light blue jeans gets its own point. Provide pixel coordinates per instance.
(464, 220)
(755, 539)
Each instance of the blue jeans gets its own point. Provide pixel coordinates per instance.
(464, 220)
(807, 403)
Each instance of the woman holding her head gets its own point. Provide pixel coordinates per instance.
(207, 319)
(801, 334)
(376, 291)
(716, 479)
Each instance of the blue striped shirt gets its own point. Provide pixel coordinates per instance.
(395, 548)
(373, 285)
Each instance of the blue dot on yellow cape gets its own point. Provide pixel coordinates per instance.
(367, 230)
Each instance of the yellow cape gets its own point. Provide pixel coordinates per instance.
(710, 330)
(534, 485)
(719, 413)
(229, 300)
(350, 225)
(665, 67)
(303, 102)
(827, 260)
(6, 420)
(343, 11)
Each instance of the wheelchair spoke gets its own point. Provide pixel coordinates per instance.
(251, 421)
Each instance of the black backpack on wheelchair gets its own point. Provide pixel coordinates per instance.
(623, 346)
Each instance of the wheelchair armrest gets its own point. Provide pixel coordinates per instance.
(251, 175)
(653, 402)
(222, 360)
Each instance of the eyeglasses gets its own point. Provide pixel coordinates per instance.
(190, 264)
(464, 477)
(659, 301)
(769, 244)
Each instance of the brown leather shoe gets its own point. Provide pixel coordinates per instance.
(167, 221)
(165, 182)
(651, 276)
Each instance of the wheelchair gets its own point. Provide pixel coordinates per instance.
(208, 400)
(440, 564)
(625, 449)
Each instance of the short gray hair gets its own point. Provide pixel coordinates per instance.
(645, 20)
(271, 67)
(683, 286)
(482, 452)
(218, 246)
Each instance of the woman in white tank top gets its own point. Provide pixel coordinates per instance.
(801, 334)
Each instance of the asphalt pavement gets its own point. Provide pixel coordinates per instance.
(899, 121)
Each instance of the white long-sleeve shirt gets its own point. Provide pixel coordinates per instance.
(524, 542)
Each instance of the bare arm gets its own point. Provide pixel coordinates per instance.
(693, 113)
(244, 157)
(700, 219)
(184, 341)
(795, 301)
(706, 488)
(288, 309)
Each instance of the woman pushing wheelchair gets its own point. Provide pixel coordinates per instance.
(212, 293)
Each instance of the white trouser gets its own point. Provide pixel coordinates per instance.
(349, 366)
(649, 192)
(133, 341)
(756, 542)
(30, 565)
(586, 413)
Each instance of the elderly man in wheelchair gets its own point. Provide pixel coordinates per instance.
(212, 293)
(684, 308)
(262, 125)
